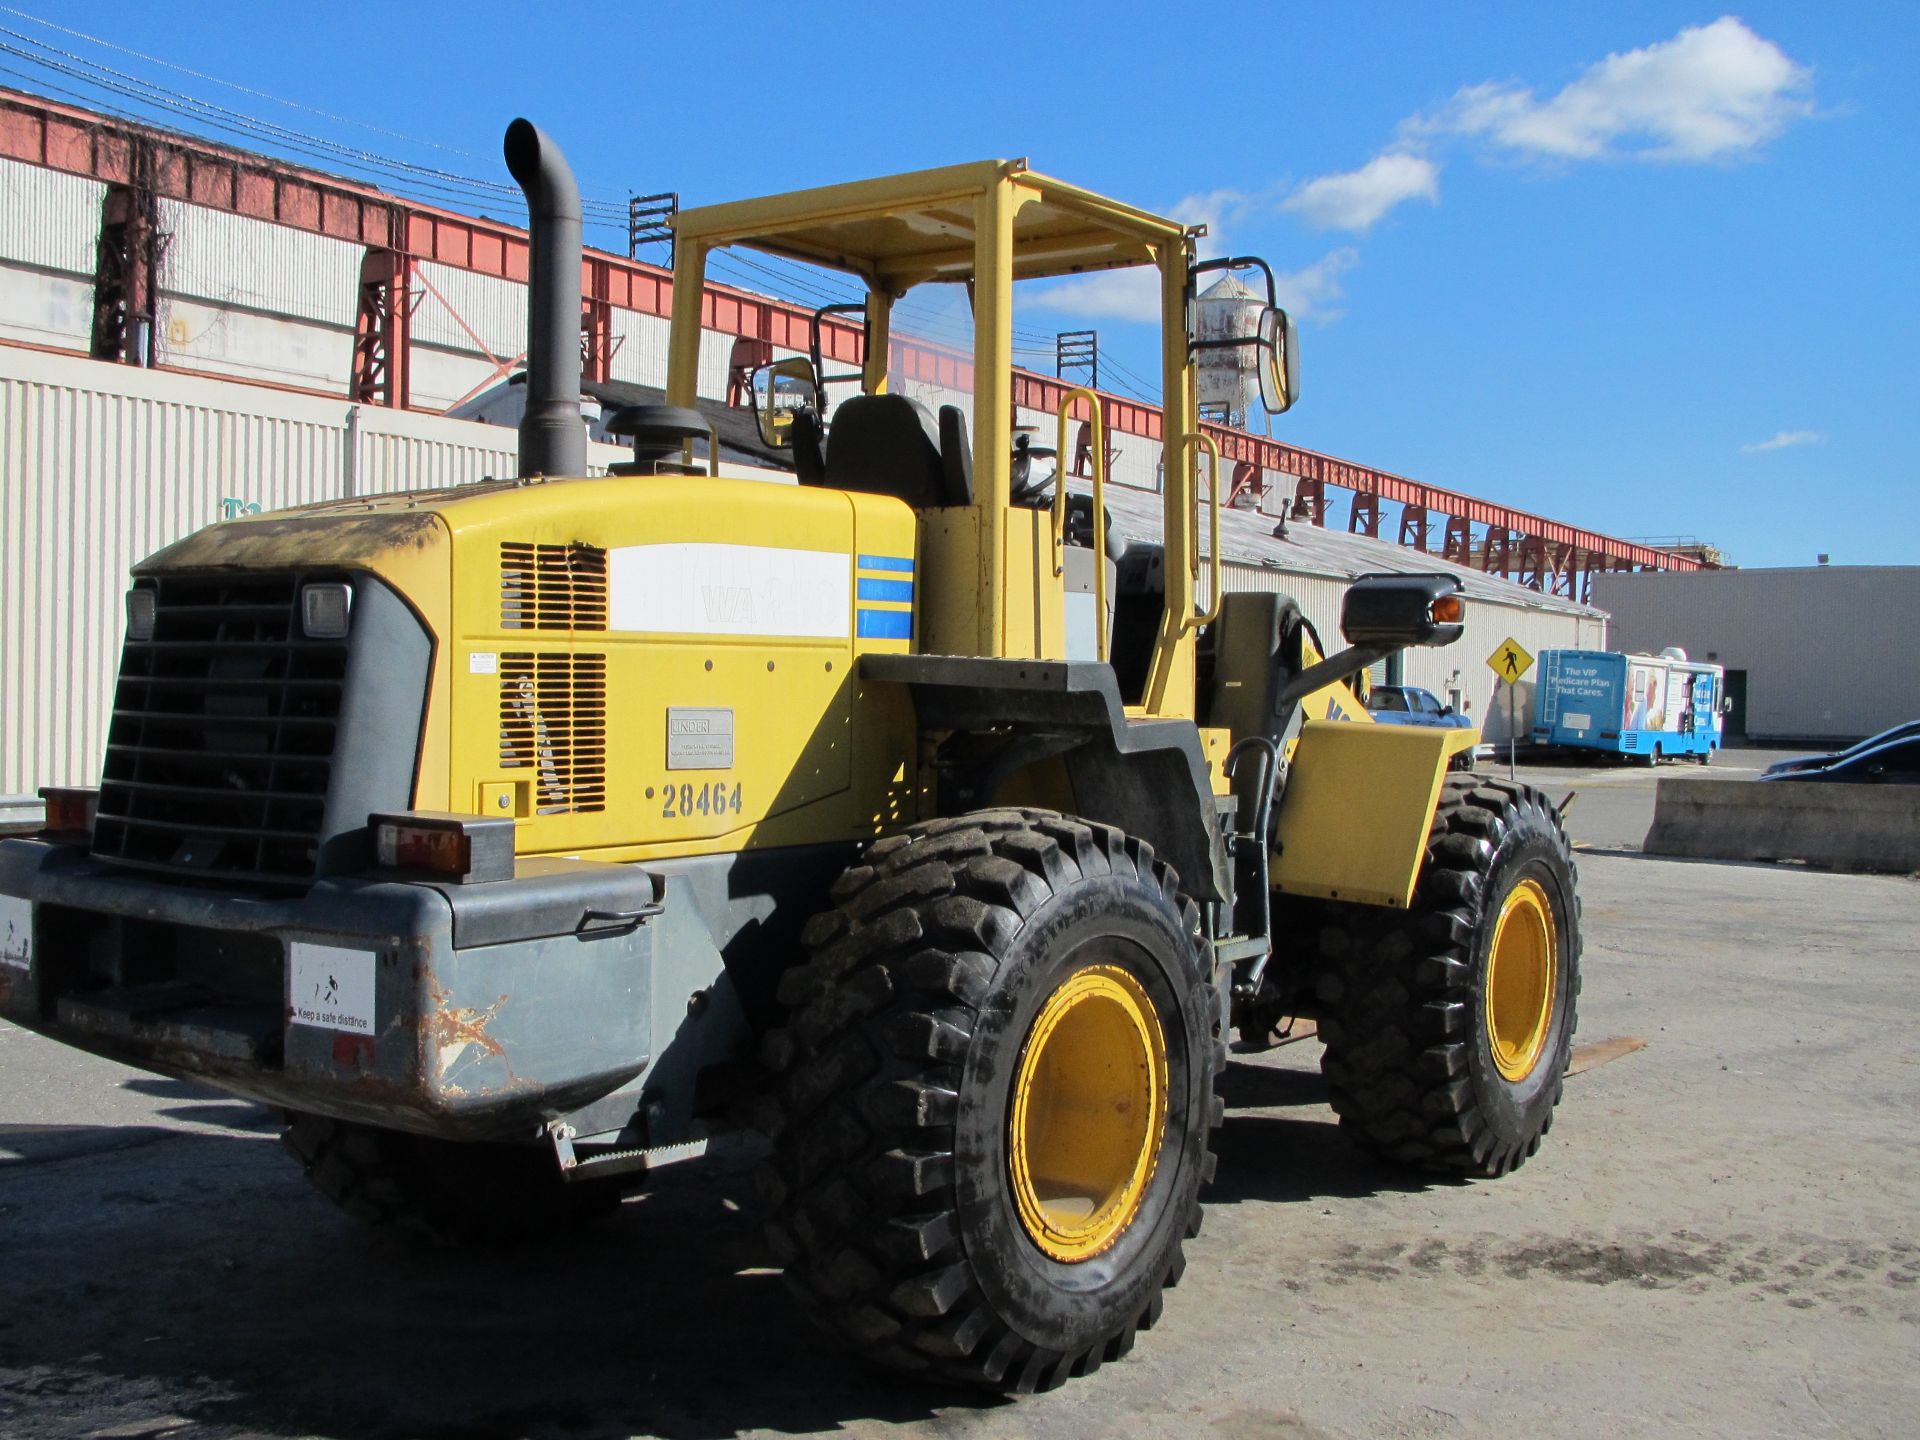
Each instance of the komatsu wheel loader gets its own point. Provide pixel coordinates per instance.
(515, 839)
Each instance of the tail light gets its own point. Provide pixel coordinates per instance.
(70, 811)
(465, 848)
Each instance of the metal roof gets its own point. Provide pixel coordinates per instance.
(1247, 538)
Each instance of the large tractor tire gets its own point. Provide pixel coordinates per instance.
(439, 1191)
(996, 1099)
(1448, 1025)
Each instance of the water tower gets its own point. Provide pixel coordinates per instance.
(1228, 379)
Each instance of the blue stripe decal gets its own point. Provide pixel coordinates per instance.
(886, 562)
(885, 624)
(886, 590)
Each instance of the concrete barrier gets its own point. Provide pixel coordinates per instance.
(1853, 827)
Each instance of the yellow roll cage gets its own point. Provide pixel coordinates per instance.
(985, 225)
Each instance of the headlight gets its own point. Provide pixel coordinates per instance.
(324, 610)
(140, 613)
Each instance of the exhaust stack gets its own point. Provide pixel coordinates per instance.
(553, 440)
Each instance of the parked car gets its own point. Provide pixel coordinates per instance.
(1908, 731)
(1879, 761)
(1410, 705)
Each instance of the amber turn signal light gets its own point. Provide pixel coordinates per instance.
(463, 848)
(1449, 610)
(70, 812)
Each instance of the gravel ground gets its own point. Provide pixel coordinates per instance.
(1719, 1238)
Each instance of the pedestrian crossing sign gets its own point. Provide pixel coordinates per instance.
(1510, 661)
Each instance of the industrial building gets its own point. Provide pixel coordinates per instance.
(1812, 653)
(189, 332)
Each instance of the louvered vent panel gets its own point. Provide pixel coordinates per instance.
(553, 720)
(553, 587)
(221, 748)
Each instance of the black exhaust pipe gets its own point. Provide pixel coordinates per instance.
(553, 438)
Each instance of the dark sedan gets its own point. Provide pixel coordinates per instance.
(1879, 761)
(1781, 769)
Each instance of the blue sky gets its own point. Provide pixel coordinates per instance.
(1643, 267)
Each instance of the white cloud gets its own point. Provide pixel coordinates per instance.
(1355, 199)
(1215, 209)
(1134, 293)
(1310, 292)
(1784, 440)
(1112, 295)
(1712, 92)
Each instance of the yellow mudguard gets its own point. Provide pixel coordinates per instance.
(1357, 807)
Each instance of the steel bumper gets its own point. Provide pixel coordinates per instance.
(463, 1011)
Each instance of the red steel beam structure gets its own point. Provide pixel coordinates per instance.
(1547, 554)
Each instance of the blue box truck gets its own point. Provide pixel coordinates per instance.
(1652, 707)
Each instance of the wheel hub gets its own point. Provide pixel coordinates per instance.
(1088, 1113)
(1522, 969)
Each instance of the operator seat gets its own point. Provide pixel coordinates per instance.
(892, 445)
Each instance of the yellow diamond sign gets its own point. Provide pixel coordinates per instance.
(1510, 661)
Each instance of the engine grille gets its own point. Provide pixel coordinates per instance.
(552, 587)
(553, 720)
(224, 723)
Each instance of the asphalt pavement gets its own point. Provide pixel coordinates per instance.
(1718, 1238)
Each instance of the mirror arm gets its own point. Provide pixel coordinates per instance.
(1239, 262)
(1349, 661)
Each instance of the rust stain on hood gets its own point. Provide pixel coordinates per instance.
(311, 539)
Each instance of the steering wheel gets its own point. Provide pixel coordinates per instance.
(1024, 487)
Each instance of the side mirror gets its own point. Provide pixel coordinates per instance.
(1446, 710)
(778, 390)
(1273, 339)
(1278, 343)
(1726, 705)
(1403, 610)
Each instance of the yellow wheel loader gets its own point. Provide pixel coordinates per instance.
(516, 839)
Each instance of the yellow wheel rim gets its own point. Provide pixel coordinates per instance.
(1522, 972)
(1089, 1109)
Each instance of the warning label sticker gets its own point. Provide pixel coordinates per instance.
(331, 988)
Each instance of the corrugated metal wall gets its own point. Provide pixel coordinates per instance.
(48, 224)
(49, 218)
(103, 464)
(232, 260)
(1827, 651)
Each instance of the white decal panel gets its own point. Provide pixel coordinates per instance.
(698, 589)
(331, 988)
(16, 932)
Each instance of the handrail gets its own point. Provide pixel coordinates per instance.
(1187, 442)
(1098, 449)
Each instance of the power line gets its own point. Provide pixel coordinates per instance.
(790, 280)
(232, 85)
(248, 90)
(399, 174)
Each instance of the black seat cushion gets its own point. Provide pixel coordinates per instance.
(890, 445)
